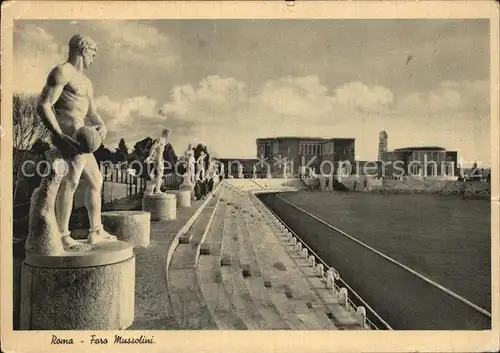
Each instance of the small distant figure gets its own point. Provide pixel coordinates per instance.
(189, 175)
(200, 167)
(221, 176)
(156, 156)
(254, 172)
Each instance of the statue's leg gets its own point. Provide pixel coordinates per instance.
(64, 202)
(159, 177)
(92, 175)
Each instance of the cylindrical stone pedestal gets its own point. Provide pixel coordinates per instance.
(190, 188)
(161, 206)
(184, 197)
(175, 193)
(87, 290)
(133, 227)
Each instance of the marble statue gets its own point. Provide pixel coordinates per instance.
(66, 101)
(156, 156)
(254, 172)
(268, 172)
(285, 170)
(200, 167)
(189, 175)
(240, 171)
(212, 169)
(222, 169)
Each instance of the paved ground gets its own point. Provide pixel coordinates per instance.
(153, 310)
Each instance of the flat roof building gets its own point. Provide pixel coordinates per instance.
(305, 151)
(426, 161)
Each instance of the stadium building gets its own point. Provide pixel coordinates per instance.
(425, 161)
(306, 151)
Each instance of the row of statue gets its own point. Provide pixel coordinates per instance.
(195, 168)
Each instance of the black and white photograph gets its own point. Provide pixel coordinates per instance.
(168, 171)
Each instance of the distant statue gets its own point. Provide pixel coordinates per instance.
(285, 170)
(212, 169)
(268, 172)
(222, 170)
(254, 172)
(156, 156)
(200, 167)
(66, 101)
(189, 175)
(240, 171)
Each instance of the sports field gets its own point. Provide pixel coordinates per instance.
(444, 238)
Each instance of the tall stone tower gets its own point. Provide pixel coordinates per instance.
(382, 144)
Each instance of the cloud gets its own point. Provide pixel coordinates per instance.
(137, 43)
(222, 113)
(296, 96)
(363, 97)
(120, 115)
(449, 96)
(35, 53)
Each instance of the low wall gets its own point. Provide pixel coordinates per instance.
(466, 189)
(112, 191)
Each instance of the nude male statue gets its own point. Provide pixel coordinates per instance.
(156, 156)
(189, 176)
(200, 167)
(65, 102)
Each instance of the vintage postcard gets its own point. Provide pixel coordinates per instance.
(244, 176)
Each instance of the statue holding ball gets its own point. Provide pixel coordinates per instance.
(66, 101)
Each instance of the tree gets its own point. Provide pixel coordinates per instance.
(103, 154)
(27, 127)
(121, 153)
(141, 148)
(197, 152)
(139, 154)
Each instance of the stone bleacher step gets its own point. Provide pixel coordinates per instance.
(187, 251)
(292, 308)
(306, 291)
(205, 249)
(210, 279)
(335, 310)
(338, 314)
(294, 291)
(252, 273)
(187, 300)
(240, 298)
(234, 283)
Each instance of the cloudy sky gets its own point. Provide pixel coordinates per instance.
(227, 82)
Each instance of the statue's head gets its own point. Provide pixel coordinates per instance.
(83, 46)
(165, 133)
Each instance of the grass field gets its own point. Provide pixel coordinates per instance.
(445, 238)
